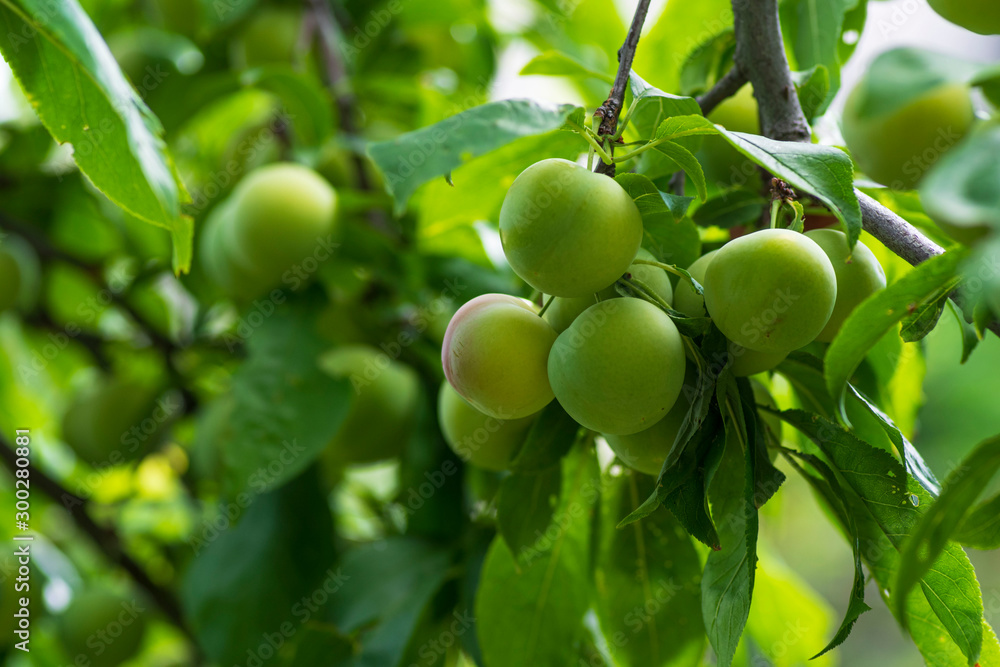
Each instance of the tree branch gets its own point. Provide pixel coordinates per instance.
(760, 52)
(106, 539)
(726, 87)
(612, 107)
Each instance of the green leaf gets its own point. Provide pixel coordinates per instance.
(678, 127)
(554, 63)
(389, 585)
(688, 502)
(894, 499)
(647, 582)
(981, 528)
(970, 339)
(817, 38)
(305, 102)
(82, 97)
(813, 89)
(922, 321)
(525, 505)
(531, 612)
(549, 439)
(671, 237)
(707, 63)
(227, 598)
(879, 313)
(686, 160)
(321, 643)
(653, 106)
(828, 487)
(736, 207)
(414, 158)
(285, 408)
(958, 189)
(943, 518)
(822, 171)
(728, 580)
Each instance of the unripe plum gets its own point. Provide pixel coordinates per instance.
(686, 300)
(112, 421)
(282, 214)
(270, 37)
(770, 291)
(748, 362)
(646, 450)
(897, 148)
(568, 231)
(619, 368)
(859, 275)
(564, 310)
(477, 438)
(721, 162)
(383, 408)
(982, 16)
(105, 628)
(494, 355)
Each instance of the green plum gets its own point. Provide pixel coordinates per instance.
(113, 421)
(217, 254)
(10, 280)
(383, 409)
(102, 628)
(568, 231)
(619, 368)
(748, 362)
(721, 162)
(982, 16)
(646, 450)
(494, 355)
(564, 310)
(859, 275)
(686, 300)
(770, 291)
(477, 438)
(270, 37)
(897, 148)
(282, 214)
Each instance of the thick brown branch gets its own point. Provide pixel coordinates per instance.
(760, 52)
(105, 538)
(612, 107)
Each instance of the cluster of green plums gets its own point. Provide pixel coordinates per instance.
(618, 365)
(276, 218)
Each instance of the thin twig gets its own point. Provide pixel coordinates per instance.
(612, 107)
(105, 538)
(726, 87)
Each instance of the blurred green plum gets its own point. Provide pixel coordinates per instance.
(568, 231)
(270, 37)
(494, 355)
(101, 629)
(383, 411)
(619, 368)
(722, 163)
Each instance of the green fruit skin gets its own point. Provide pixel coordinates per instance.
(100, 422)
(646, 450)
(721, 162)
(383, 408)
(568, 231)
(564, 310)
(494, 354)
(686, 300)
(770, 291)
(270, 37)
(619, 368)
(281, 213)
(748, 362)
(477, 438)
(10, 280)
(217, 254)
(859, 275)
(980, 16)
(93, 612)
(898, 148)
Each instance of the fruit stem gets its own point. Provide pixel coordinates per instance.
(582, 131)
(548, 302)
(677, 271)
(775, 209)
